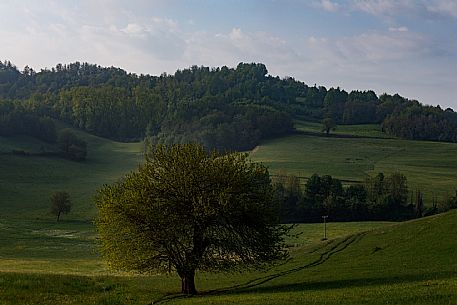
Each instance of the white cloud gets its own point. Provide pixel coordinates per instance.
(443, 7)
(372, 47)
(237, 46)
(138, 42)
(399, 29)
(329, 5)
(132, 29)
(384, 7)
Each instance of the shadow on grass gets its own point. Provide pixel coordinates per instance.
(333, 248)
(352, 283)
(324, 285)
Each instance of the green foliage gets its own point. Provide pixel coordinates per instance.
(223, 108)
(185, 210)
(60, 204)
(376, 199)
(422, 123)
(16, 119)
(71, 146)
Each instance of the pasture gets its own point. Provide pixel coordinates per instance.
(45, 262)
(379, 263)
(429, 166)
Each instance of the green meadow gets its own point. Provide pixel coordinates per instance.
(370, 263)
(27, 182)
(45, 262)
(359, 151)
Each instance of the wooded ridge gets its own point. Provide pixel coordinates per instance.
(223, 108)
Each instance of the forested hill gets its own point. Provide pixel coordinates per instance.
(223, 108)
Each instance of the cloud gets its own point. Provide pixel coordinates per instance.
(329, 5)
(384, 7)
(443, 7)
(236, 46)
(424, 8)
(109, 33)
(398, 29)
(133, 29)
(373, 47)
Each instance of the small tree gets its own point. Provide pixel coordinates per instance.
(328, 124)
(60, 204)
(186, 210)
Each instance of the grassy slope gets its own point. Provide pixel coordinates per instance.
(430, 166)
(26, 183)
(30, 239)
(407, 263)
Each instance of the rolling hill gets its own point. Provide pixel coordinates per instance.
(406, 263)
(44, 262)
(355, 151)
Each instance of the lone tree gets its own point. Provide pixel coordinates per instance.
(186, 210)
(328, 124)
(60, 204)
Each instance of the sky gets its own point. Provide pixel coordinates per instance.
(389, 46)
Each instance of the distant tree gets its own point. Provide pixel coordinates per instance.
(186, 210)
(288, 194)
(60, 204)
(419, 205)
(328, 124)
(447, 203)
(71, 146)
(398, 188)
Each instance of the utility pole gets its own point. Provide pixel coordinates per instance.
(325, 227)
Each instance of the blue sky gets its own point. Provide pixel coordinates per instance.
(395, 46)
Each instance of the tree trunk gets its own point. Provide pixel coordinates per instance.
(58, 216)
(188, 283)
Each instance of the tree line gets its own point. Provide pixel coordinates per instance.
(223, 108)
(16, 119)
(380, 197)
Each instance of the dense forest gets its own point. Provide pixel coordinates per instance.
(223, 108)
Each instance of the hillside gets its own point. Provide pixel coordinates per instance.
(223, 108)
(27, 182)
(355, 151)
(44, 262)
(407, 263)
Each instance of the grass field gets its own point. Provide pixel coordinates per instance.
(406, 263)
(430, 166)
(362, 130)
(27, 182)
(45, 262)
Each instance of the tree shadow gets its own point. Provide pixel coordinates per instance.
(333, 249)
(349, 283)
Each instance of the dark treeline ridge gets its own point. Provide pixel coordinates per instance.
(17, 119)
(380, 197)
(224, 108)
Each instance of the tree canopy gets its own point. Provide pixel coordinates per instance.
(223, 108)
(186, 209)
(60, 204)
